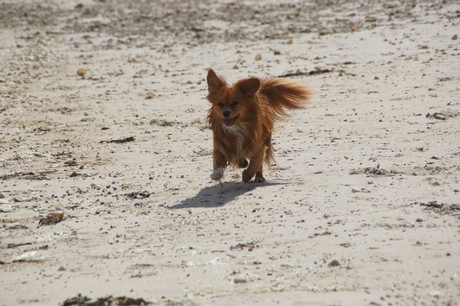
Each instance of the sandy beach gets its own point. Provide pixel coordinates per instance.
(105, 155)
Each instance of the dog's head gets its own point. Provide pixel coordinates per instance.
(231, 104)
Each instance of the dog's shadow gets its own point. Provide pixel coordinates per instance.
(219, 194)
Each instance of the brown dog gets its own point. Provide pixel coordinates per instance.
(242, 117)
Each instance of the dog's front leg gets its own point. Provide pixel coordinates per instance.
(254, 168)
(219, 163)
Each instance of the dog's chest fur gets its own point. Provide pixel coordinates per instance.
(239, 144)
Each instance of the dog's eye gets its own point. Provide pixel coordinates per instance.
(220, 104)
(235, 103)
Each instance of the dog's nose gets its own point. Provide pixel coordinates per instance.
(226, 114)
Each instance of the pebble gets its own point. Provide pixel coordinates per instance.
(240, 280)
(81, 72)
(334, 263)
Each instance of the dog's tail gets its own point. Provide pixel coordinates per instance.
(283, 95)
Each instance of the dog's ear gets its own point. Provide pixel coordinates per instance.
(249, 86)
(215, 83)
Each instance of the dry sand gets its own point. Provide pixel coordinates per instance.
(362, 207)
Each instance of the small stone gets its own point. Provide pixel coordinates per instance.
(455, 37)
(150, 95)
(240, 280)
(334, 263)
(81, 72)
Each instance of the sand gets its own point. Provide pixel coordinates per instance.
(103, 122)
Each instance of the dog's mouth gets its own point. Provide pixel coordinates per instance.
(230, 121)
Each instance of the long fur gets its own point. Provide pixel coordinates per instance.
(242, 118)
(283, 94)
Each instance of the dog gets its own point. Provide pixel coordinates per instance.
(242, 118)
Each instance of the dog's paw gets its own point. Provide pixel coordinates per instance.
(259, 178)
(217, 174)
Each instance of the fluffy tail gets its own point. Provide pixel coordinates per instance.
(283, 95)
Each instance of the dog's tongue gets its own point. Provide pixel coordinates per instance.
(229, 122)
